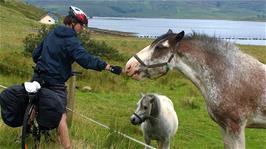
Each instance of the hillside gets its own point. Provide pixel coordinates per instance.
(17, 20)
(28, 10)
(191, 9)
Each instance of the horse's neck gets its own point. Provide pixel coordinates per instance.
(202, 80)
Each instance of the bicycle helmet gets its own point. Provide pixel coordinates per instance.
(79, 15)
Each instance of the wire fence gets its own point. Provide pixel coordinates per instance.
(3, 86)
(223, 38)
(107, 127)
(183, 127)
(103, 125)
(199, 133)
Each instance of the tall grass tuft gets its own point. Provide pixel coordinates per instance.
(190, 103)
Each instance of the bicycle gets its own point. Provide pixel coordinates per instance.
(30, 126)
(43, 112)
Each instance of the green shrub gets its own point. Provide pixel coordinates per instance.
(33, 40)
(13, 63)
(100, 49)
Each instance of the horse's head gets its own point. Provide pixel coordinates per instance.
(145, 109)
(153, 61)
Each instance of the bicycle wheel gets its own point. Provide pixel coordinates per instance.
(26, 125)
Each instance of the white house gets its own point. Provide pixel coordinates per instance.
(47, 19)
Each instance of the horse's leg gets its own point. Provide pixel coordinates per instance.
(147, 141)
(234, 138)
(165, 143)
(159, 144)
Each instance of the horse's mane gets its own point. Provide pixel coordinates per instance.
(209, 44)
(212, 44)
(202, 37)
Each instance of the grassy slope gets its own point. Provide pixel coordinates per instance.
(14, 27)
(16, 23)
(113, 99)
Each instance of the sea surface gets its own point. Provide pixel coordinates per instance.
(242, 32)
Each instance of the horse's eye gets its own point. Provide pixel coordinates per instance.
(160, 47)
(145, 107)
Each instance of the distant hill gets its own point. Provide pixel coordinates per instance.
(254, 10)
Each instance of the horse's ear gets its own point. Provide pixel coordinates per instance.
(169, 31)
(180, 35)
(151, 101)
(141, 94)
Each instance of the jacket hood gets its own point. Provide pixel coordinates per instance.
(64, 31)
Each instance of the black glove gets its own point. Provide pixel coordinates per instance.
(116, 69)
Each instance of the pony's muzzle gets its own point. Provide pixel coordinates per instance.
(135, 120)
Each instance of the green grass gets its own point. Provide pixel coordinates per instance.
(14, 28)
(128, 46)
(196, 129)
(258, 52)
(28, 10)
(113, 98)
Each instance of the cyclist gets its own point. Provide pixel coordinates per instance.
(54, 56)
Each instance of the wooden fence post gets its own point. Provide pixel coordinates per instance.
(71, 98)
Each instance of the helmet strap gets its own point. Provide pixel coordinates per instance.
(73, 25)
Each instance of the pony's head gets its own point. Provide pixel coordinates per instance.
(146, 108)
(153, 61)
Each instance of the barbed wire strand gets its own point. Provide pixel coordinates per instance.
(3, 86)
(195, 132)
(105, 126)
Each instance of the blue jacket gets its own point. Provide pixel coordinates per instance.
(56, 53)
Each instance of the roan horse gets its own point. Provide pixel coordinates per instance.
(232, 83)
(158, 119)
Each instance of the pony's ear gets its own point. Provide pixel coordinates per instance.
(180, 35)
(152, 99)
(169, 31)
(141, 94)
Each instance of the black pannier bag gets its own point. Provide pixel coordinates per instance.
(49, 109)
(13, 101)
